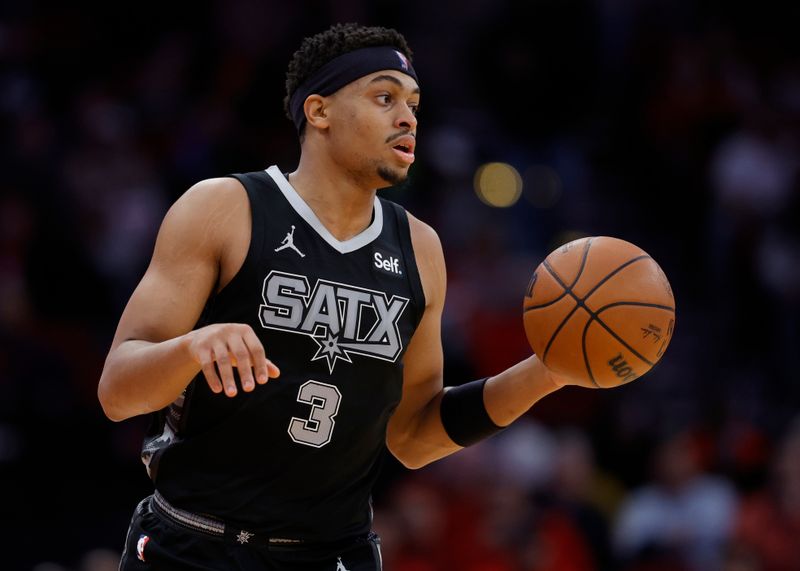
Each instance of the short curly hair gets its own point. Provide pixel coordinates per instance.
(317, 50)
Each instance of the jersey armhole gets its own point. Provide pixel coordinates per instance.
(414, 280)
(256, 241)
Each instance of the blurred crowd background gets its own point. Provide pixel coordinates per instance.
(673, 124)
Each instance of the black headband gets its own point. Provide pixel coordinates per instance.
(343, 69)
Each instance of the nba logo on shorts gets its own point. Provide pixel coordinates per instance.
(143, 539)
(403, 60)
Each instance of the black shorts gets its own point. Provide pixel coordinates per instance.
(158, 542)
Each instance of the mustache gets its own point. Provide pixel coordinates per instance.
(398, 135)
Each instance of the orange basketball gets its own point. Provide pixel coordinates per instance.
(600, 311)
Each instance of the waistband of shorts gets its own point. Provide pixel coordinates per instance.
(217, 528)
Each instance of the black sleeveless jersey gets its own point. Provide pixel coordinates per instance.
(297, 458)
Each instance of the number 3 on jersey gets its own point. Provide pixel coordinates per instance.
(317, 429)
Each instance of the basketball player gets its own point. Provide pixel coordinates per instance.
(288, 327)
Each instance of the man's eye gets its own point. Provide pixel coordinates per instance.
(385, 99)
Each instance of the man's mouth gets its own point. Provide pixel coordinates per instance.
(404, 148)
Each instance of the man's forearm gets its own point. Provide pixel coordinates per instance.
(513, 392)
(141, 377)
(506, 396)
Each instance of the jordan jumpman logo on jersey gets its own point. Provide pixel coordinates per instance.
(288, 242)
(339, 565)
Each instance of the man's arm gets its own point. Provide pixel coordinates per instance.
(416, 435)
(201, 244)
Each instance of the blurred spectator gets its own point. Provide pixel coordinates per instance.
(413, 528)
(683, 517)
(741, 558)
(115, 187)
(768, 521)
(586, 495)
(753, 175)
(753, 170)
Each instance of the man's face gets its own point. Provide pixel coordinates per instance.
(373, 127)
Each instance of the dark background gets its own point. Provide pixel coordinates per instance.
(670, 124)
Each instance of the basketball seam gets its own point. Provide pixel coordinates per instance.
(622, 341)
(567, 290)
(555, 333)
(615, 272)
(614, 334)
(637, 303)
(585, 356)
(542, 305)
(593, 316)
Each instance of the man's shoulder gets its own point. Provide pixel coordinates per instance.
(206, 207)
(423, 234)
(211, 193)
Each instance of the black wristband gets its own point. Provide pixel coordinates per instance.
(464, 415)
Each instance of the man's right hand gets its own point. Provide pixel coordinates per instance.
(220, 347)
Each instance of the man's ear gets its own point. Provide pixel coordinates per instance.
(315, 108)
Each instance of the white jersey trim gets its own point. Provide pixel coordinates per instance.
(304, 210)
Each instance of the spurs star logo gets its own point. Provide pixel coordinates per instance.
(244, 537)
(288, 242)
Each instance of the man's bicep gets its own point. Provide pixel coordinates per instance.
(181, 276)
(162, 307)
(423, 360)
(422, 382)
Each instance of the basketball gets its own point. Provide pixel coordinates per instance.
(599, 311)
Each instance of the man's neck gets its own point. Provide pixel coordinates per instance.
(342, 205)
